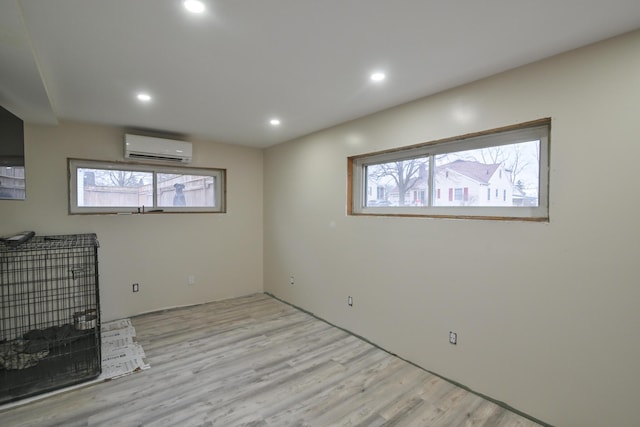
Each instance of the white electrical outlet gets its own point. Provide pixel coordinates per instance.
(453, 338)
(135, 287)
(350, 301)
(292, 280)
(191, 280)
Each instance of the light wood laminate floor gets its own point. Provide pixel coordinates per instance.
(254, 361)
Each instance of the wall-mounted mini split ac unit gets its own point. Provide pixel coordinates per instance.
(138, 147)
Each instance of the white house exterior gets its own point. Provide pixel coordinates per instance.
(470, 183)
(458, 183)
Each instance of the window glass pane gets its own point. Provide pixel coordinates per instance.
(398, 183)
(186, 190)
(472, 176)
(496, 174)
(12, 182)
(117, 188)
(110, 187)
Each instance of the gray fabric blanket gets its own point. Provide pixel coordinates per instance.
(20, 354)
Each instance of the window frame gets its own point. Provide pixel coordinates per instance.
(524, 132)
(220, 192)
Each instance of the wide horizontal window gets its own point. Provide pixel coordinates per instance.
(113, 187)
(499, 174)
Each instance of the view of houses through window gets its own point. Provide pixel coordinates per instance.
(495, 174)
(505, 175)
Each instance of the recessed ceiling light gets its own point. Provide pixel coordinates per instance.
(377, 77)
(144, 97)
(194, 6)
(274, 122)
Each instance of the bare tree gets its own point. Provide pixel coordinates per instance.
(510, 156)
(405, 174)
(115, 178)
(124, 178)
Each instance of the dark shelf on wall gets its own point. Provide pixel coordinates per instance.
(49, 314)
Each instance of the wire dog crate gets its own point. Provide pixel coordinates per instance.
(49, 314)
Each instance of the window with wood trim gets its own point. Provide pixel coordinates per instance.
(471, 170)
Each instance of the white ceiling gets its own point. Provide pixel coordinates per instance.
(223, 74)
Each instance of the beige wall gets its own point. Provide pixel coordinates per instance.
(222, 251)
(546, 313)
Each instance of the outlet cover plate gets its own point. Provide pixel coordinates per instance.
(453, 338)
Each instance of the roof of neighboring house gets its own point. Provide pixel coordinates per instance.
(480, 172)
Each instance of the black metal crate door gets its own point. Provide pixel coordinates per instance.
(49, 314)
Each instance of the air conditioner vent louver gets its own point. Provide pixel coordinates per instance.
(156, 149)
(153, 157)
